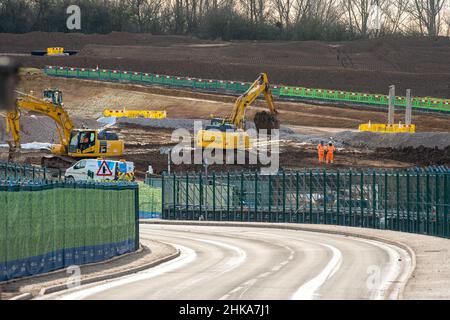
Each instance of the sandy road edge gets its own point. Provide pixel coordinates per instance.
(309, 228)
(108, 276)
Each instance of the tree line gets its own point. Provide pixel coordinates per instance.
(236, 19)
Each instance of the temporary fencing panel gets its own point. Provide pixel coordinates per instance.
(26, 172)
(410, 201)
(237, 87)
(150, 199)
(45, 227)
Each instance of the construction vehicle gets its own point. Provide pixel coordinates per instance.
(100, 170)
(228, 133)
(74, 143)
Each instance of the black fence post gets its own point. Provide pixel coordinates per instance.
(136, 227)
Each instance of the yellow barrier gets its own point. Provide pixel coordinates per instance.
(151, 114)
(387, 128)
(55, 51)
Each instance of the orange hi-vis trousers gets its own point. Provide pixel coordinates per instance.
(330, 154)
(330, 157)
(320, 153)
(321, 156)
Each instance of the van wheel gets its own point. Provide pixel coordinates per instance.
(70, 179)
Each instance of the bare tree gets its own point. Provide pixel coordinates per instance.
(428, 15)
(395, 13)
(283, 11)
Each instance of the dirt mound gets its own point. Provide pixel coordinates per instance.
(366, 65)
(266, 120)
(421, 156)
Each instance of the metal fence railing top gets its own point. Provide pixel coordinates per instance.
(403, 200)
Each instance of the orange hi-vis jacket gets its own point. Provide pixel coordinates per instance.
(321, 149)
(330, 149)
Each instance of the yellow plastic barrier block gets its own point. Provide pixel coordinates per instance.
(387, 128)
(54, 51)
(150, 114)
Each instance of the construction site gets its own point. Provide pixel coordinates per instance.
(116, 107)
(303, 123)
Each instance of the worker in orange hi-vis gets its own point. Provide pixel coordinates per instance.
(321, 151)
(330, 152)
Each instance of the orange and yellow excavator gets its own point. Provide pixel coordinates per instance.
(228, 133)
(74, 143)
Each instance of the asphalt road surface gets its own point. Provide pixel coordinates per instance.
(259, 263)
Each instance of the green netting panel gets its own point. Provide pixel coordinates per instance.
(434, 104)
(48, 226)
(3, 226)
(167, 80)
(115, 216)
(83, 73)
(72, 72)
(50, 70)
(48, 234)
(115, 74)
(17, 229)
(90, 220)
(59, 225)
(136, 76)
(232, 85)
(126, 75)
(276, 90)
(211, 84)
(61, 71)
(157, 78)
(200, 83)
(94, 73)
(221, 84)
(104, 74)
(147, 77)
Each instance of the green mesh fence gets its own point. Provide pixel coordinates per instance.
(24, 172)
(150, 199)
(47, 226)
(410, 201)
(238, 87)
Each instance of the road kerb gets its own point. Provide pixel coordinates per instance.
(53, 289)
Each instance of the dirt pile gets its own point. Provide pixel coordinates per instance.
(421, 156)
(266, 120)
(366, 65)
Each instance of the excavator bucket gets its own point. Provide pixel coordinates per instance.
(266, 120)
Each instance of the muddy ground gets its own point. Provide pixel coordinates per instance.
(367, 65)
(302, 127)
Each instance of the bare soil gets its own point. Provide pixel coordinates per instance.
(86, 100)
(367, 65)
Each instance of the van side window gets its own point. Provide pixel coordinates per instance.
(80, 165)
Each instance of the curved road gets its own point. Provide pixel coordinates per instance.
(259, 263)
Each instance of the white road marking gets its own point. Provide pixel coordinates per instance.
(393, 273)
(307, 290)
(247, 285)
(187, 256)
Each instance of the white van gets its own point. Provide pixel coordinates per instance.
(100, 169)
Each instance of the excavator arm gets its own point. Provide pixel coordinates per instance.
(64, 125)
(260, 85)
(13, 127)
(228, 133)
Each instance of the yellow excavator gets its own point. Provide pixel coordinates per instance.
(228, 133)
(74, 143)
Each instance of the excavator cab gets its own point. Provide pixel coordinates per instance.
(54, 96)
(94, 143)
